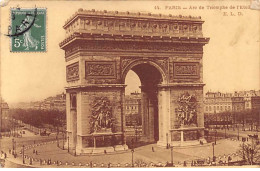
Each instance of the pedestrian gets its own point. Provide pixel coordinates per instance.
(36, 152)
(33, 151)
(152, 149)
(229, 159)
(5, 155)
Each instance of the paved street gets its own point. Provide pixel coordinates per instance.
(241, 133)
(6, 144)
(224, 147)
(28, 138)
(141, 154)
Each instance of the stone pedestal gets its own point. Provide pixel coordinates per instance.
(186, 139)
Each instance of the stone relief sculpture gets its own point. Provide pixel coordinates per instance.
(101, 118)
(73, 72)
(186, 110)
(100, 69)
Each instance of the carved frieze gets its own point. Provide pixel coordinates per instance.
(186, 69)
(72, 72)
(125, 61)
(186, 111)
(130, 22)
(103, 69)
(162, 62)
(135, 47)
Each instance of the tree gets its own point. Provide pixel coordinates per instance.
(38, 118)
(249, 152)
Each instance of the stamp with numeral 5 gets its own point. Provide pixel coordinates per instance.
(28, 30)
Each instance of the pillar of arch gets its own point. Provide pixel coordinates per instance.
(164, 51)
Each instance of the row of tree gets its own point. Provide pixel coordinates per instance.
(39, 118)
(249, 117)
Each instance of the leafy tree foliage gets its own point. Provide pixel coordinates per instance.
(38, 118)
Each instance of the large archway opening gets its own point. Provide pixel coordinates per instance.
(141, 98)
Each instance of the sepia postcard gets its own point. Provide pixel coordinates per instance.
(129, 84)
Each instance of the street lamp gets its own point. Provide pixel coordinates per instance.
(243, 139)
(213, 157)
(171, 154)
(68, 144)
(13, 146)
(237, 132)
(23, 155)
(167, 145)
(132, 150)
(215, 137)
(225, 131)
(15, 149)
(57, 141)
(63, 141)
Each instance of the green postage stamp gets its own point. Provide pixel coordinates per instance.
(28, 30)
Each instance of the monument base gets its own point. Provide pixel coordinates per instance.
(101, 150)
(146, 139)
(187, 143)
(184, 136)
(182, 143)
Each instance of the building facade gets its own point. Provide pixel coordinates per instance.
(4, 114)
(57, 102)
(251, 99)
(217, 102)
(133, 104)
(133, 109)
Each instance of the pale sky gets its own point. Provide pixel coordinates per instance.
(230, 62)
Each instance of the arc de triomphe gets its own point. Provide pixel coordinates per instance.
(164, 51)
